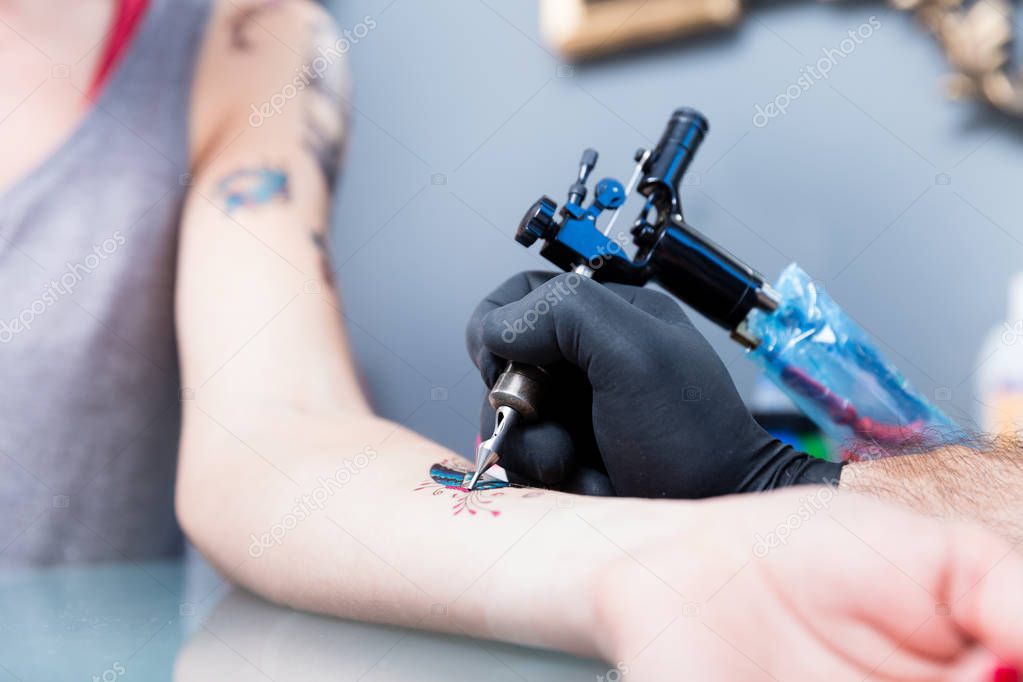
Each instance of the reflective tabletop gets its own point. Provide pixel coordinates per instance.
(178, 620)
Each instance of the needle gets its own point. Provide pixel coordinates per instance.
(487, 452)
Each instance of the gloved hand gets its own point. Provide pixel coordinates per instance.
(643, 406)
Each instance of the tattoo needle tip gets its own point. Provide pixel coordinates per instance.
(487, 451)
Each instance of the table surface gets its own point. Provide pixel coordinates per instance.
(178, 620)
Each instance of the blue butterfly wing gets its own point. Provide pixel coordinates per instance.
(452, 478)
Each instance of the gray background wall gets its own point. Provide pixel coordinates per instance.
(462, 118)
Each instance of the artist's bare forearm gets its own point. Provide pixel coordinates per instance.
(978, 484)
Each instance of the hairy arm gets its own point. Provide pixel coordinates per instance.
(287, 481)
(979, 483)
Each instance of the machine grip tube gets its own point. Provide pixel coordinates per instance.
(704, 276)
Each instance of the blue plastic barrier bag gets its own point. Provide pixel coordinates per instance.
(832, 371)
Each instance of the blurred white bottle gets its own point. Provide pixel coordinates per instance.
(1000, 377)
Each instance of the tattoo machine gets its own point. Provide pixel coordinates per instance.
(805, 343)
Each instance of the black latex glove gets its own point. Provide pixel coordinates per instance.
(643, 405)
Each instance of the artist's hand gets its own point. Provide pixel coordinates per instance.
(642, 395)
(813, 585)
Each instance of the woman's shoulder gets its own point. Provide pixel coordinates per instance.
(254, 53)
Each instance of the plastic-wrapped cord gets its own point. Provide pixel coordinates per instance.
(832, 371)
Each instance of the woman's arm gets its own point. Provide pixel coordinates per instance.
(288, 482)
(294, 489)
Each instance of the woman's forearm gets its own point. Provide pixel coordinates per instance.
(341, 515)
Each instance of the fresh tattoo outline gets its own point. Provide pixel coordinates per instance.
(449, 478)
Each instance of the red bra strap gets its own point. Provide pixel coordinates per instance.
(127, 16)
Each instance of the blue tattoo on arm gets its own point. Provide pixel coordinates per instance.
(253, 187)
(451, 479)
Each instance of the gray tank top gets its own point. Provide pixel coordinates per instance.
(89, 406)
